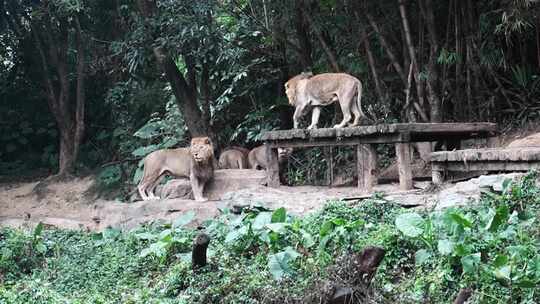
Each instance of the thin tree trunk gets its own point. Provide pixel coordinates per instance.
(371, 60)
(80, 94)
(459, 109)
(433, 73)
(387, 48)
(412, 55)
(303, 36)
(329, 53)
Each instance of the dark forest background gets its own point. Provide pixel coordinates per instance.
(88, 85)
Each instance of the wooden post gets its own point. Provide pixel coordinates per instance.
(272, 170)
(403, 153)
(366, 167)
(198, 255)
(493, 142)
(436, 175)
(328, 155)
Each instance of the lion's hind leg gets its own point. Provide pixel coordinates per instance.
(152, 188)
(357, 115)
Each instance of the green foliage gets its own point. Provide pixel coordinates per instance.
(21, 252)
(491, 247)
(170, 241)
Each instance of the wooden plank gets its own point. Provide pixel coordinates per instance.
(347, 141)
(473, 155)
(403, 153)
(489, 166)
(272, 170)
(430, 131)
(367, 167)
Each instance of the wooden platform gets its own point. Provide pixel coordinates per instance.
(383, 133)
(366, 137)
(509, 159)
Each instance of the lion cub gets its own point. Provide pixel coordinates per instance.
(195, 162)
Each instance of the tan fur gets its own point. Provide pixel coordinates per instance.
(233, 158)
(195, 163)
(306, 91)
(257, 157)
(532, 140)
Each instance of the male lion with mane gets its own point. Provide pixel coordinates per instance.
(306, 91)
(195, 162)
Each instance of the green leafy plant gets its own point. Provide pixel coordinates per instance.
(169, 241)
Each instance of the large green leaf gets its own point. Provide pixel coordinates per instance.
(278, 264)
(235, 234)
(497, 218)
(261, 220)
(470, 262)
(184, 219)
(410, 224)
(279, 216)
(147, 131)
(460, 219)
(421, 256)
(143, 151)
(445, 247)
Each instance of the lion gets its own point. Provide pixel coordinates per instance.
(306, 91)
(234, 158)
(195, 163)
(257, 157)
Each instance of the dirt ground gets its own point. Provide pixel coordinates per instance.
(71, 205)
(74, 205)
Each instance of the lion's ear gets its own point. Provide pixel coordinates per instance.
(307, 74)
(207, 140)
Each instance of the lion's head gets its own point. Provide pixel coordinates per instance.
(290, 86)
(202, 150)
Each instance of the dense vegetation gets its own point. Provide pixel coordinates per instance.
(261, 256)
(86, 83)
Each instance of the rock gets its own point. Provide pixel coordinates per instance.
(462, 193)
(420, 169)
(176, 188)
(224, 181)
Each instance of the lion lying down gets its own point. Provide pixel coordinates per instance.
(195, 162)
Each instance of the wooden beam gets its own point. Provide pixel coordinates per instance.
(324, 142)
(403, 153)
(272, 170)
(487, 166)
(437, 176)
(367, 167)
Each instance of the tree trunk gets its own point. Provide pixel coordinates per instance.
(303, 36)
(185, 98)
(70, 122)
(185, 93)
(387, 48)
(433, 71)
(329, 53)
(371, 60)
(80, 94)
(412, 55)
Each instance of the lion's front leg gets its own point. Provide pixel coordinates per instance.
(315, 117)
(197, 186)
(297, 115)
